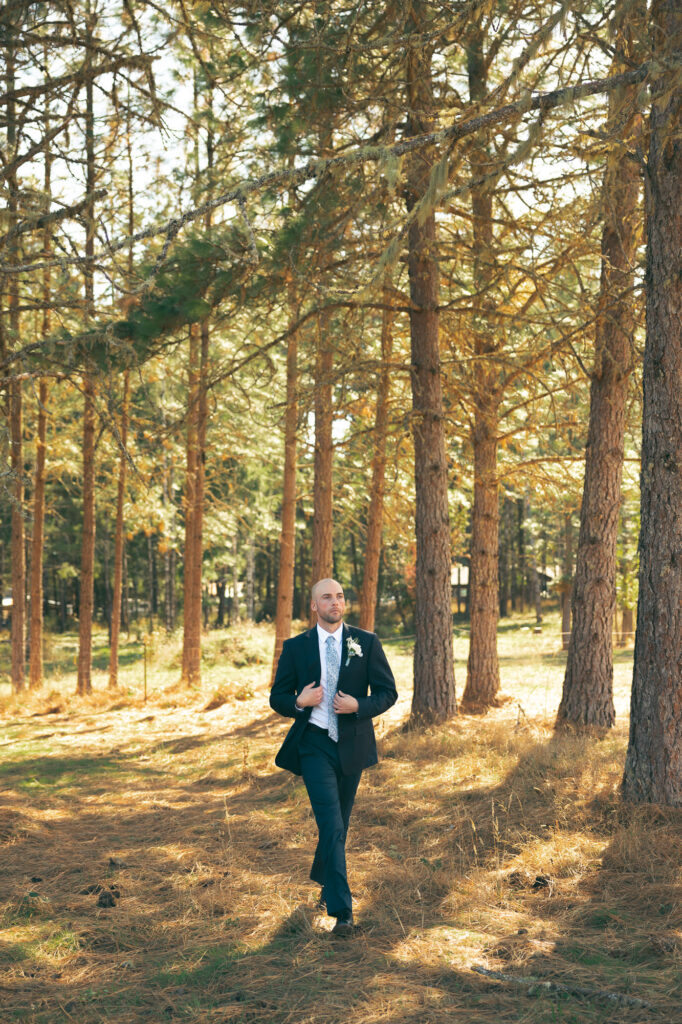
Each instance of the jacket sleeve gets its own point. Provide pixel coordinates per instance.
(285, 687)
(383, 693)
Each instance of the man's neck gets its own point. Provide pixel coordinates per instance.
(330, 627)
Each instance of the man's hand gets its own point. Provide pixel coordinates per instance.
(344, 704)
(309, 696)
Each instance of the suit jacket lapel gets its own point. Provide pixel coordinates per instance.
(313, 657)
(344, 655)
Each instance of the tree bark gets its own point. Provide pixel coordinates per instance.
(535, 592)
(521, 548)
(196, 447)
(86, 603)
(567, 582)
(587, 698)
(287, 537)
(504, 566)
(627, 625)
(322, 549)
(434, 678)
(190, 642)
(653, 767)
(35, 673)
(14, 397)
(303, 578)
(375, 518)
(250, 569)
(119, 540)
(221, 584)
(483, 672)
(125, 603)
(196, 451)
(169, 556)
(35, 670)
(17, 542)
(87, 595)
(150, 581)
(235, 613)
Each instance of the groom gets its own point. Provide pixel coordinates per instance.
(332, 680)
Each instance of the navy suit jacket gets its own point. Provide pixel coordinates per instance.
(368, 678)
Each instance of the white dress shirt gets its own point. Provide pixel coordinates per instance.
(318, 715)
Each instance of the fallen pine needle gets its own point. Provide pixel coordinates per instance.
(574, 990)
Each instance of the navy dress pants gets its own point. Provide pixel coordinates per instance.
(331, 795)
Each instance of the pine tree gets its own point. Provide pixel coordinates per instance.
(653, 767)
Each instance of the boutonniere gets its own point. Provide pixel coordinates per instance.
(353, 648)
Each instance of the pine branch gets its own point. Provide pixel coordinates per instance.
(317, 168)
(56, 217)
(78, 77)
(12, 167)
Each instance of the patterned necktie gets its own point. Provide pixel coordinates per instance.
(333, 665)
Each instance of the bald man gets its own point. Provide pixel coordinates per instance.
(333, 680)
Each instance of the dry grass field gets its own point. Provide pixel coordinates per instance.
(487, 842)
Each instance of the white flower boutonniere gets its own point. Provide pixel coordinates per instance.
(353, 647)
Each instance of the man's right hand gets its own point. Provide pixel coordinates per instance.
(309, 696)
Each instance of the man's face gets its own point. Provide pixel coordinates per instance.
(328, 602)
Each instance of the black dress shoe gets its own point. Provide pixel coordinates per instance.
(321, 905)
(344, 926)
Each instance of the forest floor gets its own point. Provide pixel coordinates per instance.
(486, 842)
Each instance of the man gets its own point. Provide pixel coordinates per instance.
(322, 681)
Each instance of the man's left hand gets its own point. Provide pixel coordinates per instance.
(344, 704)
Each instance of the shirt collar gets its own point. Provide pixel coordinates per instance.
(322, 634)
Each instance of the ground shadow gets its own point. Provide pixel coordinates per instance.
(208, 872)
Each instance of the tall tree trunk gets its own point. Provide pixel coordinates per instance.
(375, 518)
(567, 582)
(150, 581)
(63, 610)
(587, 698)
(169, 588)
(169, 598)
(250, 570)
(195, 538)
(521, 547)
(303, 596)
(87, 596)
(36, 604)
(653, 766)
(236, 612)
(17, 543)
(626, 606)
(125, 603)
(191, 651)
(15, 402)
(322, 553)
(119, 539)
(35, 671)
(86, 603)
(505, 558)
(627, 625)
(106, 588)
(434, 677)
(483, 672)
(220, 592)
(287, 537)
(535, 593)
